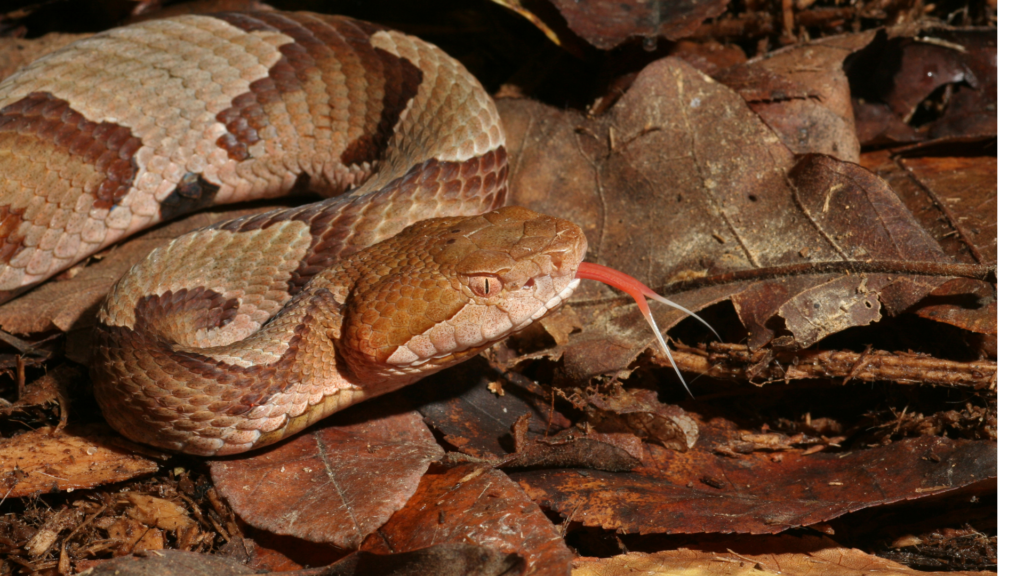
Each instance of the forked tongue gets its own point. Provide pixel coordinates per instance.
(638, 291)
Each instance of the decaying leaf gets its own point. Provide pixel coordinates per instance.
(938, 84)
(474, 504)
(336, 483)
(477, 421)
(158, 513)
(572, 449)
(757, 493)
(607, 23)
(803, 93)
(639, 412)
(668, 192)
(954, 197)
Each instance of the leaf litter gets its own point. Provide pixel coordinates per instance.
(745, 195)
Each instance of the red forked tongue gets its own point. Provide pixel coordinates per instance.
(638, 291)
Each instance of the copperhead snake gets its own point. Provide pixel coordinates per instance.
(237, 335)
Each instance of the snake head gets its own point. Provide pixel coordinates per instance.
(444, 289)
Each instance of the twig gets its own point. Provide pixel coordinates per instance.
(730, 361)
(23, 346)
(908, 268)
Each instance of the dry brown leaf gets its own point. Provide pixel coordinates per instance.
(337, 482)
(963, 191)
(134, 536)
(941, 83)
(639, 412)
(475, 420)
(803, 93)
(954, 197)
(681, 181)
(474, 504)
(608, 23)
(158, 512)
(701, 491)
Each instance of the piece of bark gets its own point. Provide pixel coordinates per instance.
(46, 460)
(780, 555)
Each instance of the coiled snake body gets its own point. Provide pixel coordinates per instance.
(240, 334)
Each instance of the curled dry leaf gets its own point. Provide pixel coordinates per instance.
(803, 93)
(939, 84)
(158, 512)
(48, 389)
(699, 491)
(477, 421)
(971, 110)
(639, 412)
(608, 23)
(780, 555)
(572, 449)
(474, 504)
(336, 483)
(76, 457)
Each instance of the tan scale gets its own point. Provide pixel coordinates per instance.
(245, 332)
(240, 334)
(166, 81)
(354, 331)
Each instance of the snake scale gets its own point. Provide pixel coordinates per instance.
(237, 335)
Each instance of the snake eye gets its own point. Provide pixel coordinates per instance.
(484, 286)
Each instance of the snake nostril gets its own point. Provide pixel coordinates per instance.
(529, 284)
